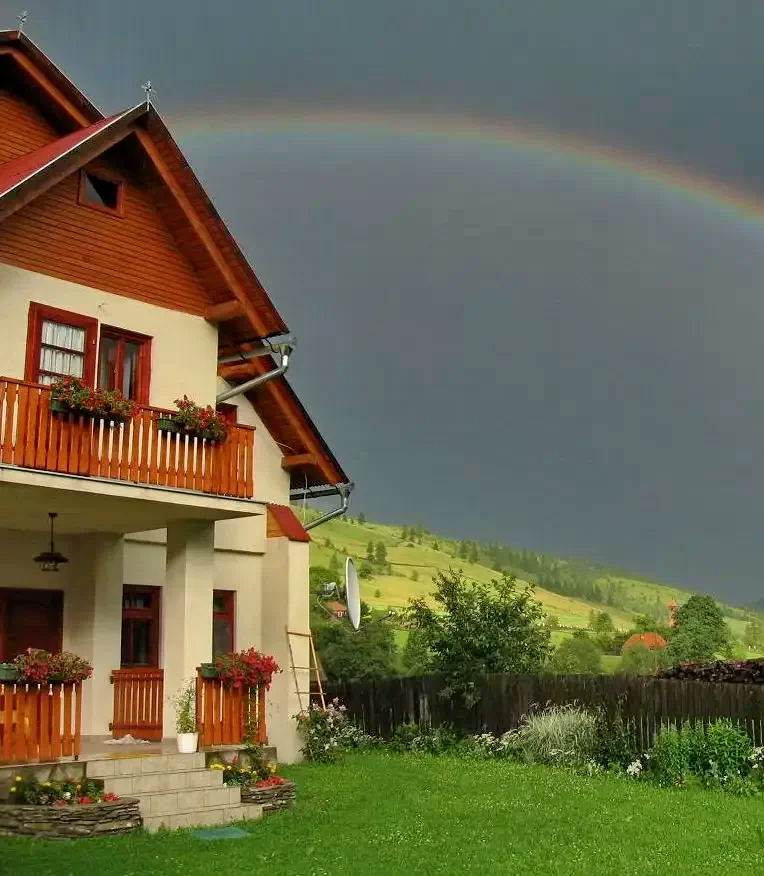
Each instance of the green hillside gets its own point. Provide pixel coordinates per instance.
(411, 567)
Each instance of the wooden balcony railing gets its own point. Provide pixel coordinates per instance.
(136, 451)
(223, 713)
(138, 703)
(39, 722)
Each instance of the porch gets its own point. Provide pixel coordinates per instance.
(42, 723)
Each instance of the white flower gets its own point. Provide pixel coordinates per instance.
(634, 769)
(67, 795)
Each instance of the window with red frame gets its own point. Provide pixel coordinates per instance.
(124, 363)
(59, 344)
(140, 626)
(223, 605)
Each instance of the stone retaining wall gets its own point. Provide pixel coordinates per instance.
(271, 799)
(92, 819)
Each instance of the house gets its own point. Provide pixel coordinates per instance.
(115, 269)
(653, 641)
(337, 609)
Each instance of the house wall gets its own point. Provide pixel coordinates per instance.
(183, 349)
(22, 127)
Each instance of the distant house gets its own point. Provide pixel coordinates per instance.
(653, 641)
(337, 609)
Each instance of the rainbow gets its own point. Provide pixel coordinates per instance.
(492, 133)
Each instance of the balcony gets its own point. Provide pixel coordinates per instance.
(137, 452)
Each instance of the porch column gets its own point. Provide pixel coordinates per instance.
(107, 553)
(286, 606)
(186, 606)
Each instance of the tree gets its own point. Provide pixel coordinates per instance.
(700, 632)
(462, 550)
(645, 624)
(414, 575)
(474, 557)
(362, 519)
(436, 545)
(577, 655)
(478, 628)
(601, 622)
(753, 637)
(380, 554)
(641, 660)
(417, 658)
(318, 576)
(370, 551)
(346, 654)
(552, 622)
(366, 571)
(334, 566)
(377, 593)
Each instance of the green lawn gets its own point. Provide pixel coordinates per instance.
(391, 814)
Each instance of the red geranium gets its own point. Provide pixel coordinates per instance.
(270, 782)
(247, 668)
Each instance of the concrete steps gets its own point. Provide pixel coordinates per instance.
(174, 790)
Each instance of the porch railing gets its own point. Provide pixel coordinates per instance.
(32, 436)
(223, 713)
(40, 722)
(138, 703)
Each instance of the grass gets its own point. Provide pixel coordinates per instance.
(392, 814)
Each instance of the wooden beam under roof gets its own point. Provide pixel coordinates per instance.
(225, 310)
(297, 459)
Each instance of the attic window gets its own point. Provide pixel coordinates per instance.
(101, 192)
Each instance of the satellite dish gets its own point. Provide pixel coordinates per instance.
(352, 594)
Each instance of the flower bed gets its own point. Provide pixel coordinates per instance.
(259, 783)
(66, 808)
(113, 817)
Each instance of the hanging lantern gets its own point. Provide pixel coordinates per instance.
(50, 560)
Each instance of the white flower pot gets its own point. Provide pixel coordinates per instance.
(187, 742)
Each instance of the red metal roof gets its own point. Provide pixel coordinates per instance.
(288, 523)
(652, 641)
(20, 169)
(336, 607)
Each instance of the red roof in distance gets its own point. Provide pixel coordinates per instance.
(653, 641)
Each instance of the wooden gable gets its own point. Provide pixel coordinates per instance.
(23, 128)
(134, 253)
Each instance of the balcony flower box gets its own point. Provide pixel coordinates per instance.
(167, 424)
(41, 667)
(208, 670)
(199, 422)
(9, 672)
(72, 395)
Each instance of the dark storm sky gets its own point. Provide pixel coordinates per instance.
(496, 344)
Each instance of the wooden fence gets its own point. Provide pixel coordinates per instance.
(222, 713)
(138, 703)
(647, 703)
(31, 435)
(39, 722)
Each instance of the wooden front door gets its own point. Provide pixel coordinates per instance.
(30, 619)
(139, 682)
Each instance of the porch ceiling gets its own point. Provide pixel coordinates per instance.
(83, 505)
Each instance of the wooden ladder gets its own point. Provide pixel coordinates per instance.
(311, 669)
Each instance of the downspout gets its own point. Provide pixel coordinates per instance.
(344, 490)
(284, 348)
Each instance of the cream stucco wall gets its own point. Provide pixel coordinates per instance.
(183, 349)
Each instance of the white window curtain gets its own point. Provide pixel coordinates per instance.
(62, 351)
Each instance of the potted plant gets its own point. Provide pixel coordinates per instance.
(205, 422)
(185, 718)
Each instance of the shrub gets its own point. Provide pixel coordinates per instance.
(65, 792)
(615, 746)
(670, 756)
(558, 734)
(329, 733)
(488, 745)
(432, 740)
(577, 655)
